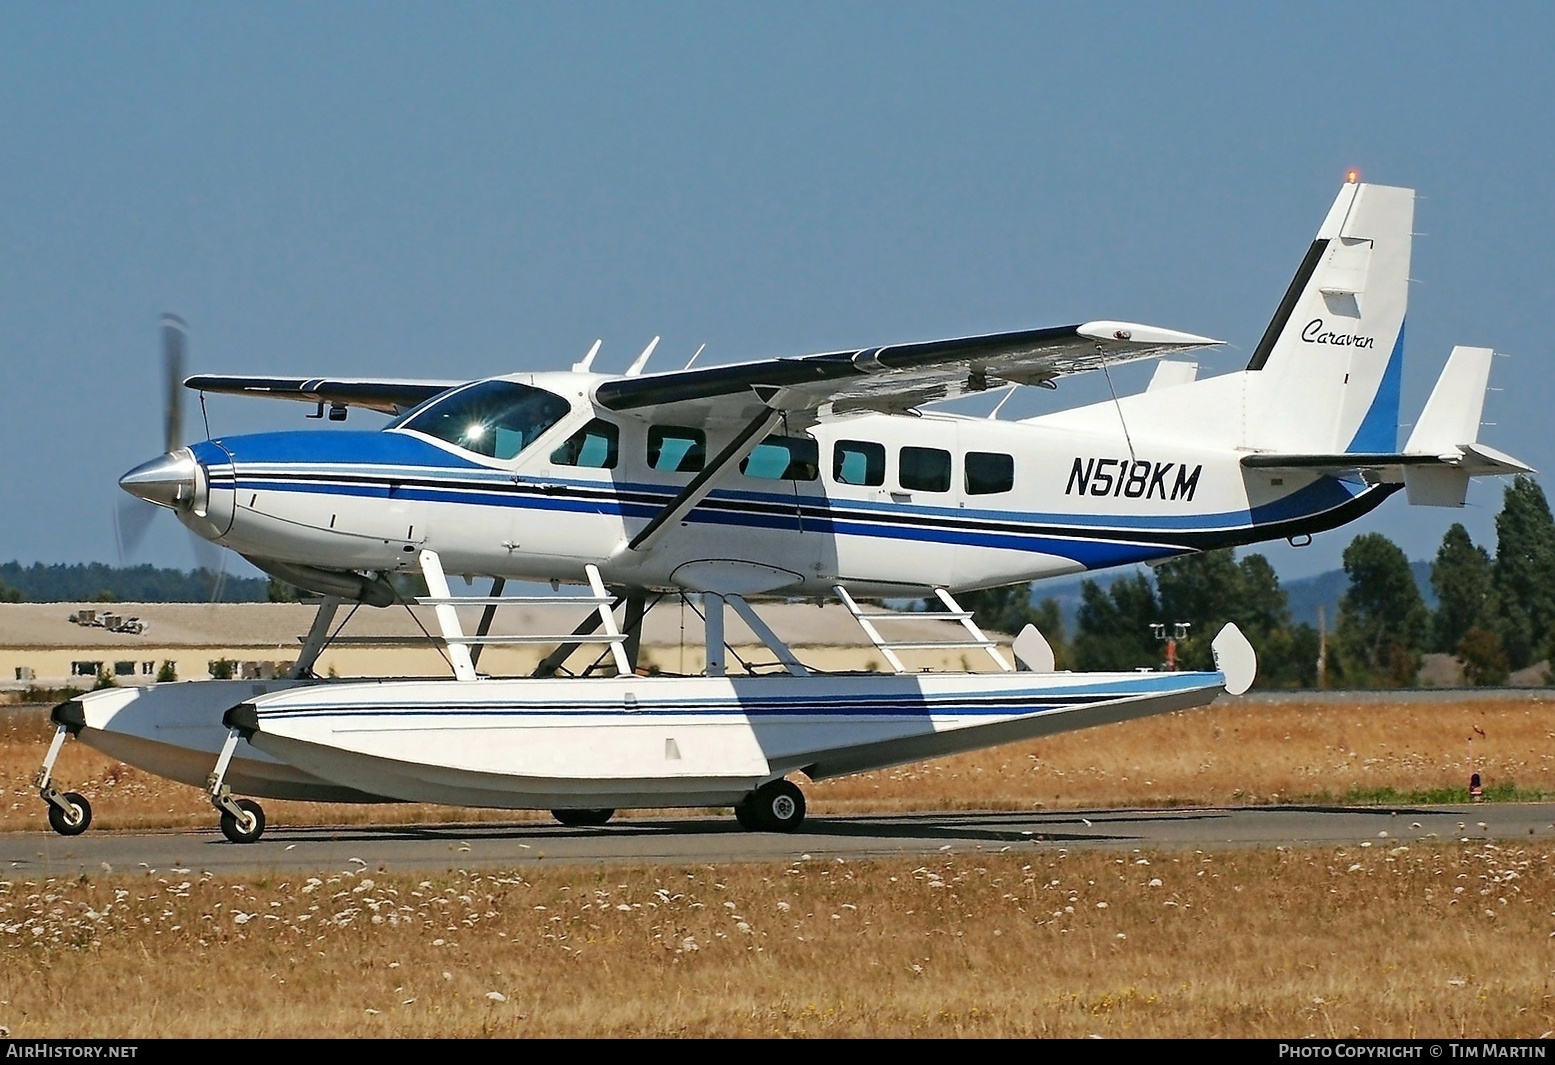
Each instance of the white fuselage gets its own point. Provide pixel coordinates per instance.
(946, 501)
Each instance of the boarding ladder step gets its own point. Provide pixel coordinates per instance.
(464, 649)
(970, 637)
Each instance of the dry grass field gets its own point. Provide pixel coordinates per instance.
(1377, 941)
(1344, 942)
(1229, 753)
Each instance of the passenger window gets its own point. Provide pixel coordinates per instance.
(596, 445)
(858, 462)
(988, 472)
(676, 449)
(925, 469)
(784, 458)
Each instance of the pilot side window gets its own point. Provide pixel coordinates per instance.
(676, 449)
(497, 419)
(596, 445)
(925, 469)
(783, 458)
(988, 472)
(858, 462)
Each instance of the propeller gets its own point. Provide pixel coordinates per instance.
(133, 516)
(175, 341)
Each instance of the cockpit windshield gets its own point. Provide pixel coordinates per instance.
(497, 419)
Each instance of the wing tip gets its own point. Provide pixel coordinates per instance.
(1137, 333)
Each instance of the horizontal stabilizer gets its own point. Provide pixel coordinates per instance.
(1448, 485)
(1431, 480)
(1476, 460)
(1338, 462)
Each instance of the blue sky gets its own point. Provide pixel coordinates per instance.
(466, 189)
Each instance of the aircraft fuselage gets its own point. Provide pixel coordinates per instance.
(864, 500)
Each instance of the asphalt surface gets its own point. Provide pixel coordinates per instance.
(709, 840)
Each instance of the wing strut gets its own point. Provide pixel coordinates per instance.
(742, 445)
(488, 615)
(313, 644)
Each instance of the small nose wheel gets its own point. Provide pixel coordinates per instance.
(245, 826)
(71, 814)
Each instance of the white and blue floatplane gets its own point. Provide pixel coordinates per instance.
(795, 477)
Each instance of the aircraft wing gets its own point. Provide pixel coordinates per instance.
(892, 378)
(391, 396)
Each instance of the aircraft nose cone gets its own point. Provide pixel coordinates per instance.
(168, 481)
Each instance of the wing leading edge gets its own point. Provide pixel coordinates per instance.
(389, 395)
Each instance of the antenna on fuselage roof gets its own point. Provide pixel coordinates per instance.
(588, 360)
(694, 357)
(642, 360)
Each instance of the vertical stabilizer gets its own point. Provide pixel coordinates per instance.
(1326, 375)
(1451, 415)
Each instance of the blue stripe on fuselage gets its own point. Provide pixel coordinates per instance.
(367, 464)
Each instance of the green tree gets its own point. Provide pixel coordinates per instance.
(1524, 571)
(278, 591)
(1382, 619)
(1461, 578)
(1201, 589)
(9, 594)
(1210, 589)
(168, 673)
(1112, 630)
(1008, 609)
(1483, 657)
(1048, 617)
(1005, 609)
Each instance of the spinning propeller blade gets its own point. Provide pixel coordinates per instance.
(133, 517)
(175, 340)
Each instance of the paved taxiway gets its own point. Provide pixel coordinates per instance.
(708, 840)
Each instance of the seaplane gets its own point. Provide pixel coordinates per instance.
(821, 475)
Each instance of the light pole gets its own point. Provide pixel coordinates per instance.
(1179, 632)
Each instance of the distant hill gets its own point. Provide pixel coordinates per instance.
(1326, 589)
(94, 581)
(1306, 594)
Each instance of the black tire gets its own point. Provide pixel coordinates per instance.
(71, 824)
(234, 830)
(745, 814)
(777, 806)
(583, 818)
